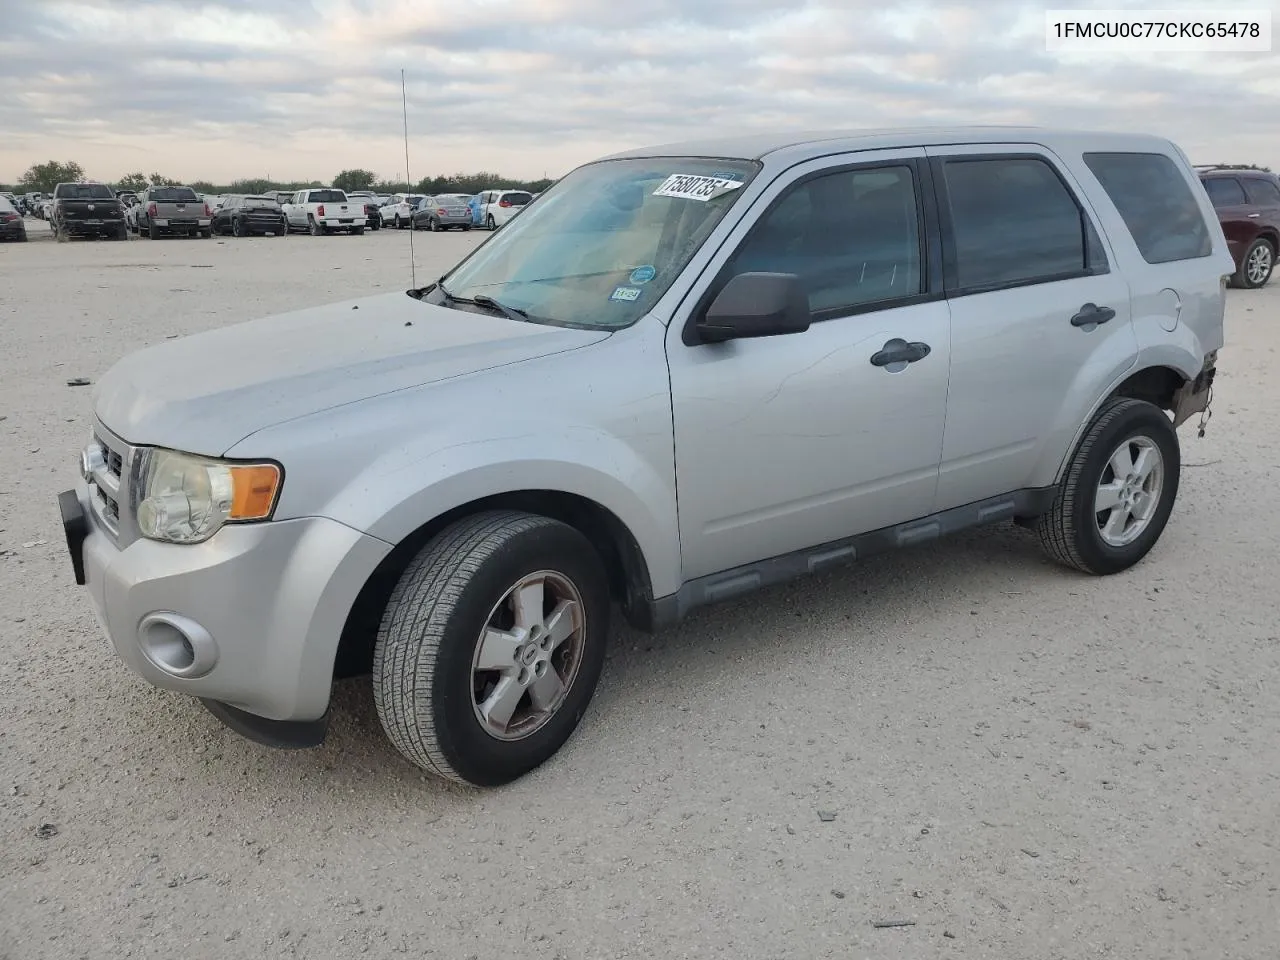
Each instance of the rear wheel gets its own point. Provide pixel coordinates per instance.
(491, 646)
(489, 223)
(358, 231)
(122, 233)
(399, 222)
(237, 227)
(58, 235)
(1257, 265)
(1119, 490)
(152, 232)
(313, 227)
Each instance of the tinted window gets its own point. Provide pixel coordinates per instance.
(174, 194)
(1156, 204)
(1262, 192)
(6, 206)
(1224, 191)
(1014, 221)
(853, 238)
(328, 196)
(260, 202)
(230, 202)
(83, 191)
(517, 199)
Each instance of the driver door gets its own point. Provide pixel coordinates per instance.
(785, 443)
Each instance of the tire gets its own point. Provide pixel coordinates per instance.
(22, 237)
(466, 228)
(489, 223)
(206, 234)
(433, 226)
(399, 222)
(152, 232)
(122, 233)
(59, 235)
(1071, 532)
(425, 677)
(237, 227)
(314, 228)
(1256, 266)
(358, 231)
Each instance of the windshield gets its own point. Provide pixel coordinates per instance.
(84, 191)
(602, 245)
(174, 194)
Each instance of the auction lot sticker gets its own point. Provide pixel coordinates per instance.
(691, 186)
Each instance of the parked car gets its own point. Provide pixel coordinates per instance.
(450, 490)
(371, 207)
(446, 212)
(323, 210)
(249, 216)
(499, 206)
(399, 212)
(12, 226)
(172, 210)
(282, 196)
(33, 204)
(1248, 207)
(86, 210)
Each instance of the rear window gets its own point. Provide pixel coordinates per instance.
(260, 202)
(1224, 191)
(327, 196)
(1156, 204)
(414, 200)
(83, 191)
(6, 206)
(174, 195)
(517, 199)
(1262, 192)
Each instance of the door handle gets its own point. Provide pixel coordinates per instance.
(1091, 315)
(899, 351)
(1254, 216)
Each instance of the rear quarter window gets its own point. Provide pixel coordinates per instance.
(1262, 192)
(1156, 203)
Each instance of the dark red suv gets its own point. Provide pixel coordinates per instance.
(1248, 205)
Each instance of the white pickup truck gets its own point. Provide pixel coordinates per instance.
(321, 210)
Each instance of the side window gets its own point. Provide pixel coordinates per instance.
(1262, 192)
(1224, 191)
(853, 237)
(1156, 204)
(1014, 221)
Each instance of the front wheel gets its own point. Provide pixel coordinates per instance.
(399, 222)
(491, 646)
(1118, 492)
(237, 227)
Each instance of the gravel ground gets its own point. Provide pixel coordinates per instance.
(1023, 762)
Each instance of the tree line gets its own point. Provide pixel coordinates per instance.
(43, 177)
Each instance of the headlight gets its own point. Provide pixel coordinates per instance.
(187, 499)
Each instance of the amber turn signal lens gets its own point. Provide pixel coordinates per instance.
(253, 491)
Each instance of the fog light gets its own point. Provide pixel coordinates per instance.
(177, 645)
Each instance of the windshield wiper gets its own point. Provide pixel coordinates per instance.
(511, 313)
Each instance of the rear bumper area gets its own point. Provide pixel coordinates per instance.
(249, 620)
(1195, 395)
(76, 228)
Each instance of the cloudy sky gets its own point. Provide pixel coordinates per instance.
(299, 89)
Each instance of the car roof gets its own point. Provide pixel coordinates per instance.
(1256, 174)
(805, 145)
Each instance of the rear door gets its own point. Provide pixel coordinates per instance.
(1237, 216)
(1038, 315)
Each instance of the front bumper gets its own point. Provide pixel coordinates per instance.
(260, 607)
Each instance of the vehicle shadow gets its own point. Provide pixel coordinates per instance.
(769, 630)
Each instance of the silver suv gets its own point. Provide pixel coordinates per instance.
(684, 374)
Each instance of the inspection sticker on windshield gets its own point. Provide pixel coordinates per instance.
(690, 186)
(643, 274)
(626, 294)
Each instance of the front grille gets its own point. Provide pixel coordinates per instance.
(108, 461)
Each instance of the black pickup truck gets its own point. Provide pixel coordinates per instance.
(86, 210)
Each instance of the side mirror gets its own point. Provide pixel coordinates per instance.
(756, 305)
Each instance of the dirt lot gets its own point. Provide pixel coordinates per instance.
(1023, 762)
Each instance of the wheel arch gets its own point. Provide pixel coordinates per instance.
(625, 565)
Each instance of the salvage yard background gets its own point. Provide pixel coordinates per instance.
(1023, 762)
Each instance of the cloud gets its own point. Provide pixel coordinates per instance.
(213, 89)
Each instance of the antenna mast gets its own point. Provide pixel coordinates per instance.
(408, 186)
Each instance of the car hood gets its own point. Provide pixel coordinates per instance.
(204, 393)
